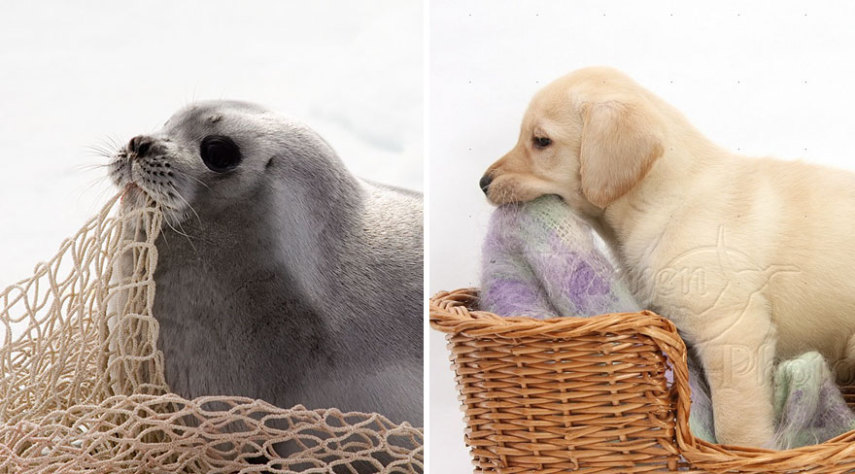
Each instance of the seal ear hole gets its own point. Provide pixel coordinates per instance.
(220, 153)
(269, 162)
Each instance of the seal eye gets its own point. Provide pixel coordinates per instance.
(220, 153)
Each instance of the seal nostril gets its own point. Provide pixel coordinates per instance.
(485, 182)
(140, 145)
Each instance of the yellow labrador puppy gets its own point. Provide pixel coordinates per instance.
(753, 259)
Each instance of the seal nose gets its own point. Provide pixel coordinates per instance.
(140, 145)
(485, 182)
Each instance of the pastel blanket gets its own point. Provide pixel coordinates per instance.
(539, 259)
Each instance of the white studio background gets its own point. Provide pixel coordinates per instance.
(766, 78)
(77, 74)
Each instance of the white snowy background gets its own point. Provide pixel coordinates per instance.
(77, 74)
(765, 78)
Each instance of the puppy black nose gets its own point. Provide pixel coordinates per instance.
(140, 145)
(485, 182)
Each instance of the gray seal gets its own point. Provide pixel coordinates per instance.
(280, 275)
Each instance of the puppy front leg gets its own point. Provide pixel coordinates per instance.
(737, 350)
(844, 369)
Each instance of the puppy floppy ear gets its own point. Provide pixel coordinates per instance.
(620, 143)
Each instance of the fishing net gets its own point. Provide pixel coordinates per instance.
(82, 386)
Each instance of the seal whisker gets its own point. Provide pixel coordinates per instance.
(100, 150)
(101, 193)
(189, 239)
(187, 175)
(179, 196)
(112, 142)
(90, 166)
(163, 234)
(95, 181)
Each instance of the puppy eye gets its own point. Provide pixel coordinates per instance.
(542, 142)
(220, 153)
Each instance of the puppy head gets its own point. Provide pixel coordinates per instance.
(588, 137)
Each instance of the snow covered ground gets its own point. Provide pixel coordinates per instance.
(766, 78)
(75, 77)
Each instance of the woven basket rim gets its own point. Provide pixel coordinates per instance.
(450, 313)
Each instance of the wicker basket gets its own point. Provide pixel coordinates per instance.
(590, 394)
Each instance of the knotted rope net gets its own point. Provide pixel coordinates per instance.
(82, 386)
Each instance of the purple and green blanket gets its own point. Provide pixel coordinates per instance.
(540, 259)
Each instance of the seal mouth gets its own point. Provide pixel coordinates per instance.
(151, 181)
(132, 190)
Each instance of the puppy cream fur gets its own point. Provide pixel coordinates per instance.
(753, 259)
